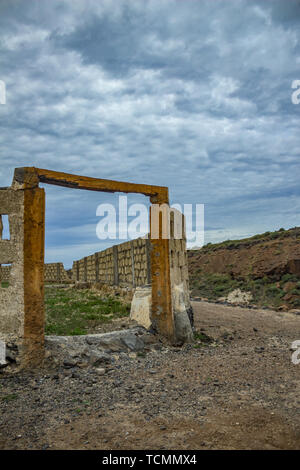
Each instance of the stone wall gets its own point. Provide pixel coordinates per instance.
(5, 273)
(55, 272)
(127, 264)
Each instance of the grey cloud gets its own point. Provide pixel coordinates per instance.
(192, 95)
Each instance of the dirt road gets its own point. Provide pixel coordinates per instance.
(239, 392)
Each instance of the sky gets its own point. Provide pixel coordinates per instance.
(190, 94)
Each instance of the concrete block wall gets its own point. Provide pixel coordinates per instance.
(95, 268)
(141, 256)
(55, 272)
(128, 264)
(5, 273)
(125, 265)
(105, 269)
(126, 273)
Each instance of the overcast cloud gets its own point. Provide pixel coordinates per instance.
(194, 95)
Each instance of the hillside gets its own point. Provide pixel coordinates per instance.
(266, 265)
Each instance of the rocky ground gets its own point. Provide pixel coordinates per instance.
(238, 391)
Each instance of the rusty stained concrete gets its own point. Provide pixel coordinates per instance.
(34, 247)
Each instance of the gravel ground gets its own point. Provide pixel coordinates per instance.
(241, 391)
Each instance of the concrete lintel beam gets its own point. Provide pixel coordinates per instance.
(29, 177)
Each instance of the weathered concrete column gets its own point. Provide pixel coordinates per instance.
(34, 241)
(162, 315)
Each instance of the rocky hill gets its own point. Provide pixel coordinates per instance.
(267, 266)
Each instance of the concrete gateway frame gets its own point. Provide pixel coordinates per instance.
(31, 201)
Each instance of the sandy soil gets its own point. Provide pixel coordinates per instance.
(239, 392)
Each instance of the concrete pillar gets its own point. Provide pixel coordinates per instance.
(34, 241)
(162, 314)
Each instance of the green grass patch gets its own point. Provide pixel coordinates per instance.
(199, 336)
(213, 286)
(78, 312)
(266, 292)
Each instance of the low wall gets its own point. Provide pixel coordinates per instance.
(5, 273)
(55, 272)
(127, 264)
(124, 265)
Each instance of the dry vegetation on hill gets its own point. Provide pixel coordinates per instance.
(267, 265)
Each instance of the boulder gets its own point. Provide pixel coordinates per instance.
(94, 348)
(98, 358)
(237, 297)
(133, 342)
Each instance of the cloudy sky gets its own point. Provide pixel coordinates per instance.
(191, 94)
